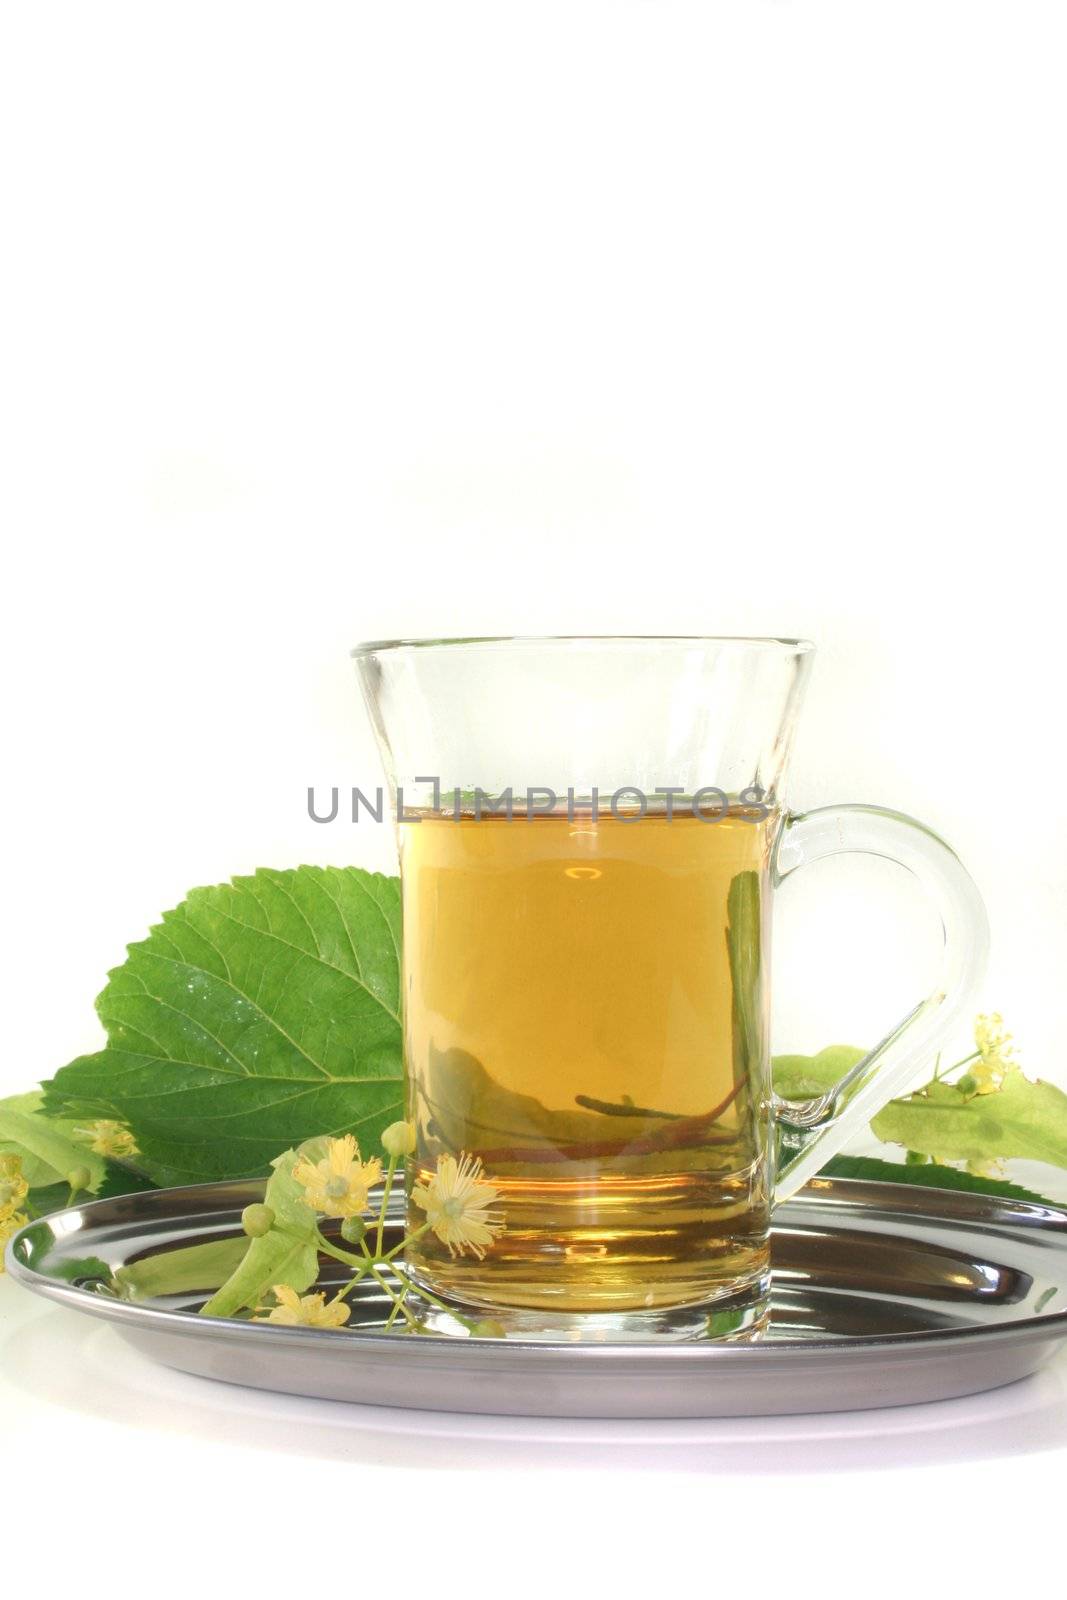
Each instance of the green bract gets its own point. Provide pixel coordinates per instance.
(806, 1077)
(287, 1254)
(47, 1145)
(184, 1271)
(1021, 1120)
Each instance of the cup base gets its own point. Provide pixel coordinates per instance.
(737, 1316)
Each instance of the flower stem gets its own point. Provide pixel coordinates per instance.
(426, 1294)
(397, 1307)
(397, 1299)
(343, 1256)
(940, 1075)
(408, 1239)
(390, 1174)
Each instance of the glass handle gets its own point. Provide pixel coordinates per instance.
(809, 1132)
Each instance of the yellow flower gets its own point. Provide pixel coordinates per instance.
(310, 1311)
(13, 1185)
(338, 1185)
(995, 1051)
(456, 1202)
(9, 1226)
(109, 1138)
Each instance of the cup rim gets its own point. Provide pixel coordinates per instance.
(373, 647)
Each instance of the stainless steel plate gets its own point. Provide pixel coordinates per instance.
(883, 1295)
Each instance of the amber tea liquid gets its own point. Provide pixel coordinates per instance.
(585, 1007)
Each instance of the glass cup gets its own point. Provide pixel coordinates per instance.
(591, 831)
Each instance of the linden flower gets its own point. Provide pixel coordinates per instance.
(13, 1185)
(309, 1311)
(996, 1053)
(456, 1202)
(9, 1226)
(108, 1138)
(338, 1185)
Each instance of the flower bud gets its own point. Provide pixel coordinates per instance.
(398, 1139)
(257, 1220)
(490, 1328)
(353, 1230)
(968, 1084)
(79, 1179)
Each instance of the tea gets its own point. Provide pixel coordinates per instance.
(585, 1007)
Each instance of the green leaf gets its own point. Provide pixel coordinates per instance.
(807, 1077)
(927, 1177)
(82, 1270)
(51, 1197)
(119, 1179)
(287, 1254)
(1022, 1119)
(47, 1146)
(258, 1014)
(191, 1268)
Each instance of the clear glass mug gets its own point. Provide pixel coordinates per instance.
(591, 831)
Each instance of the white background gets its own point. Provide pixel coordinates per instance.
(336, 321)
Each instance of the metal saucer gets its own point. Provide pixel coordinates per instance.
(884, 1295)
